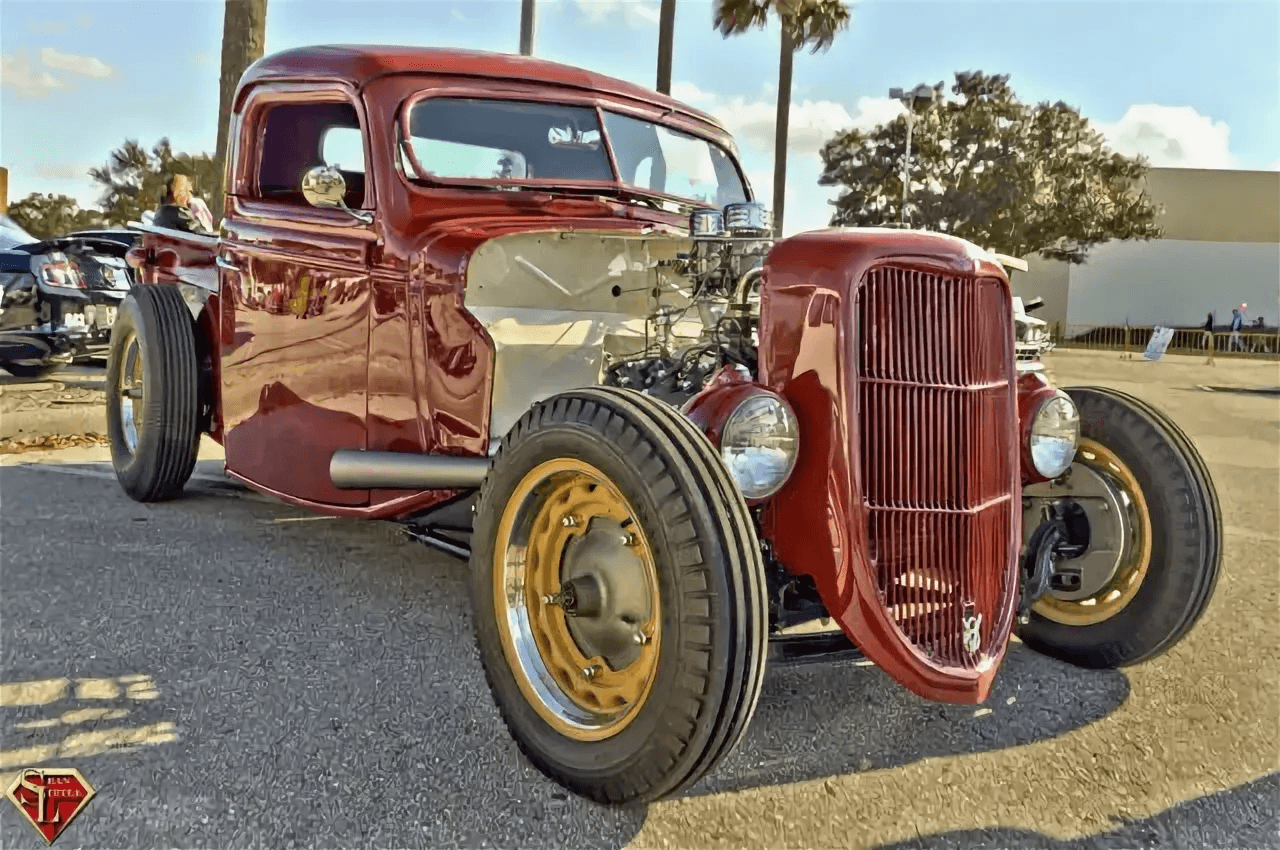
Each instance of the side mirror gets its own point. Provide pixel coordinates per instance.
(324, 188)
(1033, 304)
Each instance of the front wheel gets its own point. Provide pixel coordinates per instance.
(619, 596)
(1145, 509)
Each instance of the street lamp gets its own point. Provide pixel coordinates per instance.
(921, 95)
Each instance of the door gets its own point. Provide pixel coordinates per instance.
(294, 376)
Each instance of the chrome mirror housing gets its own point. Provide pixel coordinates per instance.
(325, 188)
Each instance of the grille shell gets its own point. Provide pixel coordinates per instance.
(937, 417)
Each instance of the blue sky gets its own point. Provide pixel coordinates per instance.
(1190, 84)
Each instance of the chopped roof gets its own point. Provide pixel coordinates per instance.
(359, 64)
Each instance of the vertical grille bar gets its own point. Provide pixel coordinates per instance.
(935, 402)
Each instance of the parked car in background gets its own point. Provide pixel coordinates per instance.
(59, 297)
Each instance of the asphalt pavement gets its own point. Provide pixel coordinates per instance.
(228, 671)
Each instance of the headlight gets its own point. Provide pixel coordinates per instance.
(1055, 433)
(759, 443)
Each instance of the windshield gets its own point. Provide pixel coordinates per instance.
(514, 141)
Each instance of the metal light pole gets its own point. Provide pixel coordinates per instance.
(920, 95)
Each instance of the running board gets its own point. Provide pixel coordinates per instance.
(356, 469)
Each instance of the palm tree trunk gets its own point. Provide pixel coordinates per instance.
(786, 57)
(666, 39)
(244, 37)
(526, 27)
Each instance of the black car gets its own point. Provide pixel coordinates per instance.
(59, 297)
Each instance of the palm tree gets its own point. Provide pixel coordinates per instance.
(526, 27)
(666, 38)
(244, 37)
(805, 23)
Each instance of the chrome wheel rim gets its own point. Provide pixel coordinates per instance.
(130, 392)
(576, 599)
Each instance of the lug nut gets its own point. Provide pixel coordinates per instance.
(568, 522)
(590, 672)
(641, 638)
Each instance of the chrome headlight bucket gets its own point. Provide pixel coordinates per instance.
(759, 442)
(1055, 434)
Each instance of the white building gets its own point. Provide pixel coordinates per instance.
(1221, 248)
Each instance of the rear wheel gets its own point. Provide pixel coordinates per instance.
(619, 596)
(152, 398)
(1153, 527)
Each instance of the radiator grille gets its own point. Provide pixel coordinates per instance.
(936, 403)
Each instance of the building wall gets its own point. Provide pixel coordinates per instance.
(1175, 282)
(1221, 247)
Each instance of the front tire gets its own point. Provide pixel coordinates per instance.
(152, 397)
(1157, 542)
(619, 596)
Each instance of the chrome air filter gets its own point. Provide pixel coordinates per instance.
(747, 219)
(706, 223)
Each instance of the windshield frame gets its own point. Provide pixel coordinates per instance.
(419, 177)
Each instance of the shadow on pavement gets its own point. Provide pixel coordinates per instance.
(1242, 817)
(826, 720)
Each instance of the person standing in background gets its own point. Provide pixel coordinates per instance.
(1237, 322)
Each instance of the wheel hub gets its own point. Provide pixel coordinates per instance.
(606, 579)
(1104, 578)
(577, 590)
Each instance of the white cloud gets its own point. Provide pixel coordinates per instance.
(635, 13)
(811, 123)
(89, 66)
(19, 73)
(457, 14)
(1171, 136)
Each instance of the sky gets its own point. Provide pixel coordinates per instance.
(1188, 84)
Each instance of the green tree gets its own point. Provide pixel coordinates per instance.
(244, 38)
(133, 178)
(47, 216)
(804, 23)
(1008, 176)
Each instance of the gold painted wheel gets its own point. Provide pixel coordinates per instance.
(576, 598)
(1132, 548)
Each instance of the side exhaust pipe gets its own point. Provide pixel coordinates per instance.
(356, 469)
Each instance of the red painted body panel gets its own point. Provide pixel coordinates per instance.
(335, 334)
(820, 523)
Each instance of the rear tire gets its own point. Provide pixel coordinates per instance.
(1168, 588)
(686, 698)
(152, 397)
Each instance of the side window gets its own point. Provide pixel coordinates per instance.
(300, 136)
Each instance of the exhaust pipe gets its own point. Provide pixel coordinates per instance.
(356, 469)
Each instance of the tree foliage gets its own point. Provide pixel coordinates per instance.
(47, 216)
(807, 23)
(133, 178)
(1011, 177)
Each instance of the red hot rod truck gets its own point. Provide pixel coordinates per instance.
(534, 314)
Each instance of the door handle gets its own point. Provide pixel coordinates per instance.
(223, 263)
